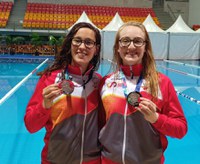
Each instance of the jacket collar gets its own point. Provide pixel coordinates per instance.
(77, 71)
(134, 70)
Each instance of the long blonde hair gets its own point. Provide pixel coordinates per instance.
(149, 73)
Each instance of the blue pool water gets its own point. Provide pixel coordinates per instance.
(20, 147)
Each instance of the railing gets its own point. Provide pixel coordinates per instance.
(29, 49)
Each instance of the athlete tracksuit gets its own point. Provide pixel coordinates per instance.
(127, 137)
(71, 123)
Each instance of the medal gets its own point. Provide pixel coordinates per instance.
(67, 86)
(66, 83)
(133, 98)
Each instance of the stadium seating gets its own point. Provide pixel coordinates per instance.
(5, 9)
(61, 16)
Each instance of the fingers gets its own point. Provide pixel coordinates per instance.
(49, 93)
(144, 109)
(148, 104)
(148, 109)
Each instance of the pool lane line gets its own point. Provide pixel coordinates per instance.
(20, 83)
(188, 97)
(179, 63)
(181, 72)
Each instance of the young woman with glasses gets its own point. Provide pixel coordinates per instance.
(141, 105)
(66, 101)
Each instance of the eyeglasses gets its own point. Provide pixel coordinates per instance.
(87, 42)
(137, 42)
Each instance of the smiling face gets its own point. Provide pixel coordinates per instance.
(131, 54)
(82, 55)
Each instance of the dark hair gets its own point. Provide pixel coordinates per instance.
(64, 58)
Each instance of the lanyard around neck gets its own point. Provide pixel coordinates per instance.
(65, 75)
(124, 85)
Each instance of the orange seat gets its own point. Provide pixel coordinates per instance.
(63, 15)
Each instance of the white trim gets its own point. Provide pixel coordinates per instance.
(20, 83)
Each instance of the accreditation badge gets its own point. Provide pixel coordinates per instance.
(133, 98)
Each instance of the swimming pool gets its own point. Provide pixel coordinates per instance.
(20, 147)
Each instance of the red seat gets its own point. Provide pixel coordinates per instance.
(68, 14)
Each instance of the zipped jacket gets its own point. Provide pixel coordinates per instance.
(71, 123)
(126, 137)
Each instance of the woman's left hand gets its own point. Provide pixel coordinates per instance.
(148, 109)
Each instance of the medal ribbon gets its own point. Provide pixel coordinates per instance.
(124, 86)
(66, 82)
(65, 75)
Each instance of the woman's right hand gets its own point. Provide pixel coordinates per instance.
(49, 93)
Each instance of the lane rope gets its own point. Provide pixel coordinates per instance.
(188, 97)
(179, 63)
(2, 100)
(181, 72)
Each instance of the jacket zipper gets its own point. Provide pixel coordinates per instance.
(84, 121)
(124, 139)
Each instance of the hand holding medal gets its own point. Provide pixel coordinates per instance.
(66, 83)
(49, 93)
(148, 109)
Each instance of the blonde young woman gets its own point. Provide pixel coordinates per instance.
(141, 105)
